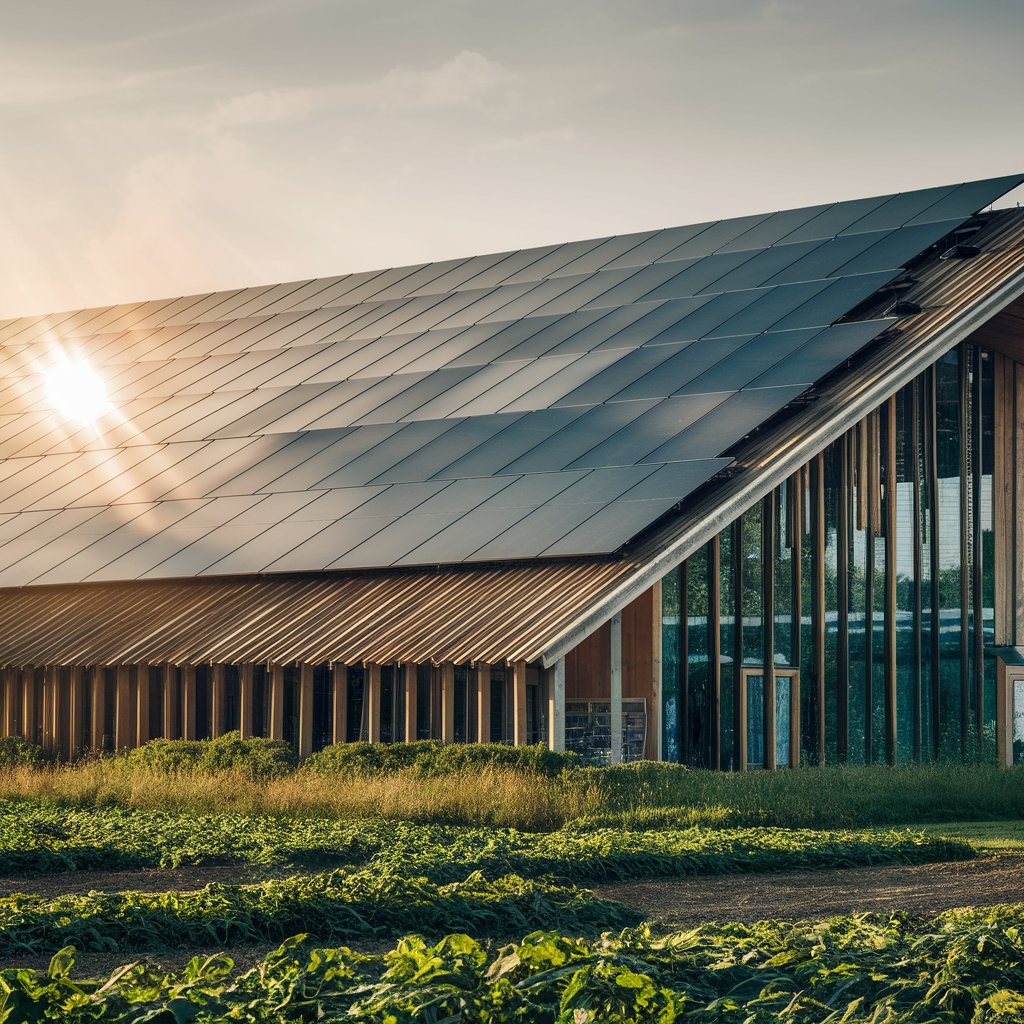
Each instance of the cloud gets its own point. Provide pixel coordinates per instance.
(468, 80)
(542, 140)
(273, 106)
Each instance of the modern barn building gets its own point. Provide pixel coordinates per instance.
(739, 494)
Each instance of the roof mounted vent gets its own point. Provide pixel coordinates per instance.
(903, 308)
(961, 251)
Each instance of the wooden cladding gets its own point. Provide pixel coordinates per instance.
(72, 710)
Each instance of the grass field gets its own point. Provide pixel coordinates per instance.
(450, 885)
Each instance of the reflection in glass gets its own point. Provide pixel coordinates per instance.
(698, 660)
(755, 720)
(783, 706)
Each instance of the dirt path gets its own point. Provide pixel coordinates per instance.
(183, 879)
(924, 889)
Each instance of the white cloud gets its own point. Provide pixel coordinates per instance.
(531, 141)
(268, 106)
(468, 80)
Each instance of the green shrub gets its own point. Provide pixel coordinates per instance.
(434, 758)
(15, 751)
(255, 758)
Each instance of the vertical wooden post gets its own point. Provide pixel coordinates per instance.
(98, 726)
(142, 674)
(305, 710)
(277, 702)
(519, 704)
(616, 688)
(483, 702)
(1004, 715)
(122, 709)
(447, 702)
(246, 696)
(769, 721)
(28, 714)
(556, 705)
(654, 714)
(188, 702)
(218, 701)
(411, 705)
(371, 684)
(10, 693)
(339, 675)
(171, 729)
(742, 721)
(49, 704)
(76, 710)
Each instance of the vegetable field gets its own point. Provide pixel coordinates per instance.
(967, 966)
(417, 912)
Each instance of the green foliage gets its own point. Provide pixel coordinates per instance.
(848, 796)
(365, 903)
(15, 751)
(428, 758)
(255, 758)
(49, 838)
(961, 968)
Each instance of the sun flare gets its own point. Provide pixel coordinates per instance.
(75, 389)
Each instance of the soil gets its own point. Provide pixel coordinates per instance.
(183, 879)
(924, 890)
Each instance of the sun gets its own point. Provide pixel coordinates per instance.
(75, 389)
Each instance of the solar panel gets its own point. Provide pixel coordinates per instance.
(529, 403)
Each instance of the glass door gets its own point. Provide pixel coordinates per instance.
(769, 718)
(1010, 711)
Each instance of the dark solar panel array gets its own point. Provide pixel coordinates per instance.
(546, 402)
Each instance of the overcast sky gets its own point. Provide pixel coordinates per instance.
(160, 148)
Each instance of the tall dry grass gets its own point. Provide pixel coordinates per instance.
(489, 796)
(636, 796)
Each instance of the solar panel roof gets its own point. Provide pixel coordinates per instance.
(546, 402)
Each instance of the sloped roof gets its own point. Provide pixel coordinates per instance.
(531, 610)
(545, 403)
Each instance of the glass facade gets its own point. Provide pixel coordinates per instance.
(859, 596)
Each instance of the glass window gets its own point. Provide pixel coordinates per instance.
(727, 648)
(785, 538)
(670, 667)
(783, 713)
(836, 513)
(1018, 721)
(986, 556)
(810, 710)
(753, 586)
(908, 667)
(857, 589)
(699, 680)
(879, 750)
(755, 720)
(947, 444)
